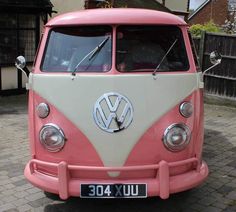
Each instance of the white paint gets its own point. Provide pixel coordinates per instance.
(150, 98)
(24, 78)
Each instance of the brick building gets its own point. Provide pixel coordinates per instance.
(216, 10)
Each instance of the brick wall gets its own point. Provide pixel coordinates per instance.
(217, 10)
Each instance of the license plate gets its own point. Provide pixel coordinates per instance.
(113, 190)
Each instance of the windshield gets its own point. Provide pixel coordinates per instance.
(142, 48)
(67, 47)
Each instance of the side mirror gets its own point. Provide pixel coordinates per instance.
(215, 59)
(20, 64)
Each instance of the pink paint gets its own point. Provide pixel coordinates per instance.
(158, 186)
(115, 16)
(149, 162)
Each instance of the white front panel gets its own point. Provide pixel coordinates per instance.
(150, 98)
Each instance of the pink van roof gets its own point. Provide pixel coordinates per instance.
(116, 16)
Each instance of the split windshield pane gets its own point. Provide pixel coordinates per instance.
(68, 47)
(141, 48)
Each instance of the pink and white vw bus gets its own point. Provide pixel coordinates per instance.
(115, 106)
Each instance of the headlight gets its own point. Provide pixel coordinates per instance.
(176, 137)
(186, 109)
(42, 110)
(52, 137)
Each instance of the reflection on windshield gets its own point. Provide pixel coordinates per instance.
(141, 48)
(68, 46)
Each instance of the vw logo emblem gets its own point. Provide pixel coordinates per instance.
(113, 112)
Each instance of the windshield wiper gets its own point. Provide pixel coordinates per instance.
(98, 48)
(164, 57)
(92, 53)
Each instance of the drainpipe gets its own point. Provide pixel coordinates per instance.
(188, 5)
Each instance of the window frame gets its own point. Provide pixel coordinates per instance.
(194, 52)
(17, 30)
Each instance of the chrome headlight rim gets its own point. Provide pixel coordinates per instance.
(51, 149)
(181, 109)
(45, 107)
(183, 145)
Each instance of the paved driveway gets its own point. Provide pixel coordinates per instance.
(218, 193)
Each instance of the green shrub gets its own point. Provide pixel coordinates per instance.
(197, 29)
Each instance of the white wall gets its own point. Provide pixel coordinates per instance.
(176, 5)
(9, 78)
(63, 6)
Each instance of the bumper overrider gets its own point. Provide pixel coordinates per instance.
(163, 185)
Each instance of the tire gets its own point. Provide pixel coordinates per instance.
(52, 196)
